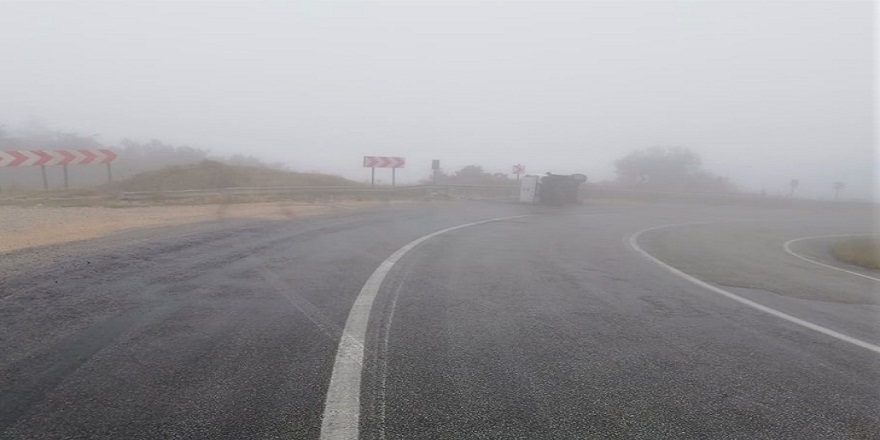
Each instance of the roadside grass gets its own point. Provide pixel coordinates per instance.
(111, 200)
(861, 251)
(105, 198)
(210, 175)
(58, 198)
(207, 175)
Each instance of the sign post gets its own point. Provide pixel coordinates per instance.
(435, 165)
(518, 170)
(383, 162)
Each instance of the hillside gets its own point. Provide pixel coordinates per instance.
(213, 175)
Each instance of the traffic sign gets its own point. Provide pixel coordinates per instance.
(384, 162)
(25, 158)
(44, 158)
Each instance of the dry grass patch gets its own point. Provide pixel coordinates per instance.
(210, 175)
(862, 251)
(23, 227)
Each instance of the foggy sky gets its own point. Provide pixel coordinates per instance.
(766, 92)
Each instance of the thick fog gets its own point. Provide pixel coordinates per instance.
(764, 92)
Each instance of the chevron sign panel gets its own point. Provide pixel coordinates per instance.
(25, 158)
(384, 162)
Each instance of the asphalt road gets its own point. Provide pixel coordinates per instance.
(544, 326)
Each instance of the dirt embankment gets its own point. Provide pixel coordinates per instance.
(22, 227)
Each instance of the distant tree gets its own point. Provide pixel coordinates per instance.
(838, 186)
(137, 157)
(668, 168)
(35, 135)
(156, 149)
(240, 159)
(436, 177)
(6, 140)
(469, 175)
(658, 165)
(252, 161)
(472, 172)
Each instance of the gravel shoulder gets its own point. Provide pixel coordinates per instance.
(25, 227)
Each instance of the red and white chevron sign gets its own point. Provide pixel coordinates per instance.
(384, 162)
(25, 158)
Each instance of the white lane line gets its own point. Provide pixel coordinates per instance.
(342, 406)
(633, 243)
(382, 369)
(787, 247)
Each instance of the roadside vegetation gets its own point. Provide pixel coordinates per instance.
(210, 174)
(861, 251)
(134, 158)
(669, 169)
(471, 175)
(206, 175)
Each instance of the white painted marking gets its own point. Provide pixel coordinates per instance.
(633, 243)
(342, 406)
(5, 158)
(382, 369)
(787, 247)
(32, 158)
(56, 157)
(77, 157)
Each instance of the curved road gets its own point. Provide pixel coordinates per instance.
(548, 325)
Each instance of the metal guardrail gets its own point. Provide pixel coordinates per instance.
(239, 191)
(473, 192)
(481, 192)
(318, 190)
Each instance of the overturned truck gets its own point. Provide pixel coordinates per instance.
(551, 189)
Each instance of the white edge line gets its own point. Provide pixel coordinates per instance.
(633, 243)
(787, 247)
(341, 418)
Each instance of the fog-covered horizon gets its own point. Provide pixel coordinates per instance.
(766, 92)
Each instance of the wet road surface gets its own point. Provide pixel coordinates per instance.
(544, 326)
